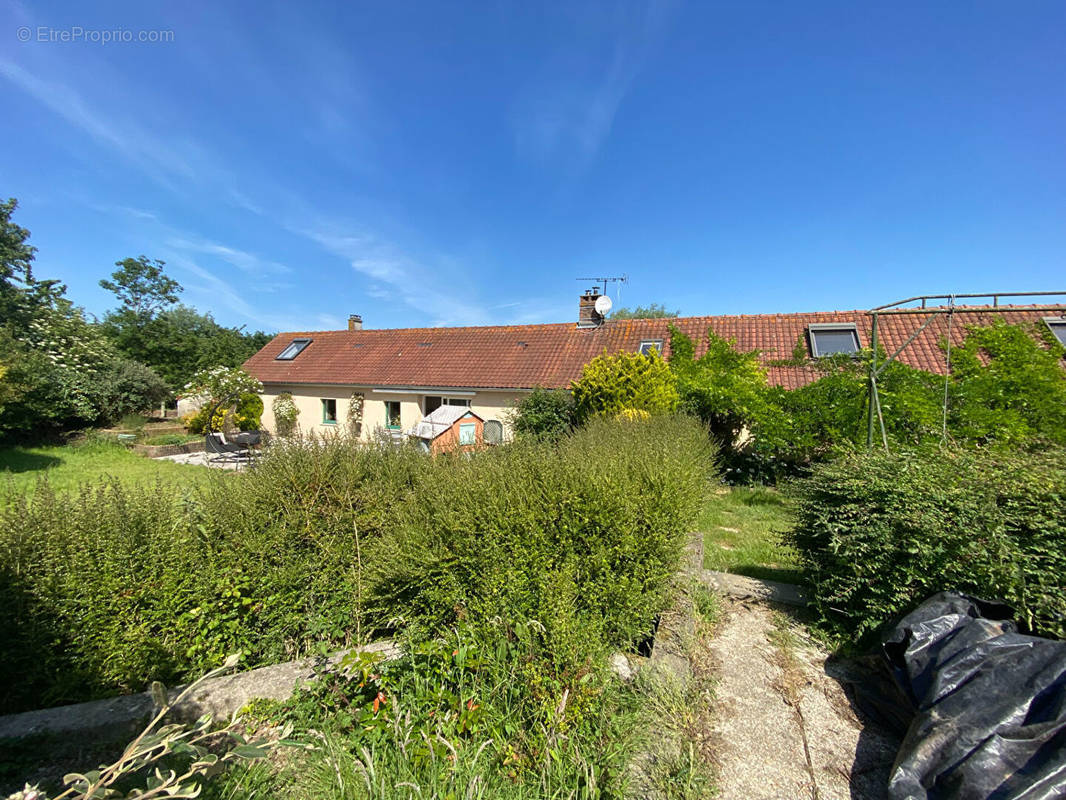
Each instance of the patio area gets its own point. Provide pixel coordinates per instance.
(203, 459)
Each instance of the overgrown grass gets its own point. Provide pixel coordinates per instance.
(66, 467)
(742, 533)
(466, 715)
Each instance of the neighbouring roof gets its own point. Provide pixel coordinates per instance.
(526, 356)
(439, 421)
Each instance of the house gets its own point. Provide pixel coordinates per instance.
(449, 427)
(405, 374)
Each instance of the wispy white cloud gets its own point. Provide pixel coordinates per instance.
(569, 111)
(428, 290)
(164, 161)
(243, 260)
(218, 292)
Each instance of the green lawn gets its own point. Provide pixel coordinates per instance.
(741, 529)
(69, 466)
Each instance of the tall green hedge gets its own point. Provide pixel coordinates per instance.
(879, 533)
(326, 542)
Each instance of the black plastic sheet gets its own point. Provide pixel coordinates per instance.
(983, 706)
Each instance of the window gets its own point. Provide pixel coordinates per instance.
(651, 344)
(392, 414)
(1058, 327)
(467, 433)
(828, 339)
(431, 403)
(329, 412)
(296, 346)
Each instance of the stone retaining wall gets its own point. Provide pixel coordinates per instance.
(220, 697)
(159, 450)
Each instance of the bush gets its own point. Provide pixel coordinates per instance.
(327, 541)
(799, 427)
(610, 384)
(581, 536)
(724, 388)
(879, 533)
(248, 414)
(127, 387)
(544, 412)
(1007, 388)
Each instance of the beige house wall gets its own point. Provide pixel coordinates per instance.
(308, 399)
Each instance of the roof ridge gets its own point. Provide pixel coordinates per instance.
(618, 322)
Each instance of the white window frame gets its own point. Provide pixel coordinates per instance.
(647, 344)
(836, 327)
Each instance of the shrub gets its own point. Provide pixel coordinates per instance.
(248, 414)
(222, 383)
(244, 414)
(723, 387)
(609, 384)
(879, 533)
(544, 412)
(328, 540)
(1007, 388)
(580, 535)
(799, 427)
(127, 387)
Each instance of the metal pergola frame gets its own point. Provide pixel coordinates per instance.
(893, 309)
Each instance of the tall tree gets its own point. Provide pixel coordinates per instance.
(57, 371)
(174, 340)
(654, 311)
(142, 287)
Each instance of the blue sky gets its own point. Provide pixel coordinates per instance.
(450, 163)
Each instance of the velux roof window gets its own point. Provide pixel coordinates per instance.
(296, 346)
(651, 344)
(831, 338)
(1058, 327)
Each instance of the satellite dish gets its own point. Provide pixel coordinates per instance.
(603, 305)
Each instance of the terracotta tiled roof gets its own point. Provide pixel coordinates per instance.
(524, 356)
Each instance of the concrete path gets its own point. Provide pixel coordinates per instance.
(784, 727)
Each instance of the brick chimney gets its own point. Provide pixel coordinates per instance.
(587, 316)
(355, 322)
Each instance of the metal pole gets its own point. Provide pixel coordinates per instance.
(873, 385)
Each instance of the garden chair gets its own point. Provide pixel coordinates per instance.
(220, 450)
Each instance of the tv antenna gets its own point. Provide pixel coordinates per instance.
(619, 280)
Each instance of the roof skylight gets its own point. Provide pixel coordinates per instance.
(651, 344)
(831, 338)
(296, 346)
(1058, 327)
